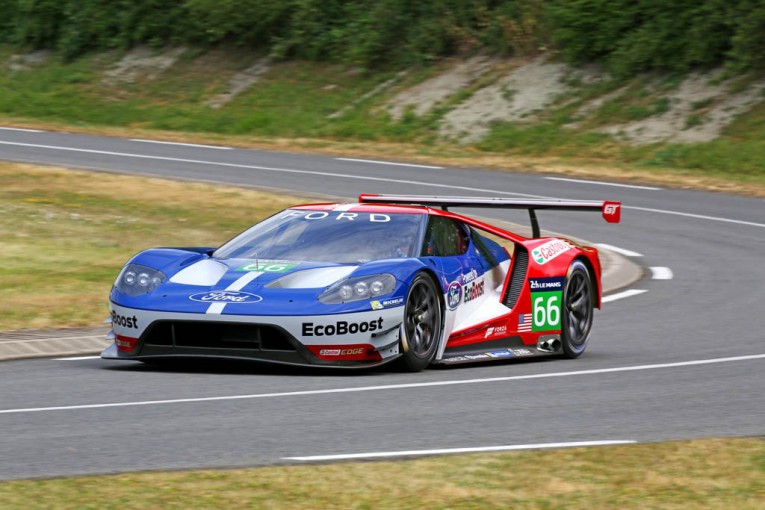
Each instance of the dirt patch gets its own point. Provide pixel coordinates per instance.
(28, 61)
(241, 82)
(142, 63)
(699, 109)
(421, 98)
(515, 98)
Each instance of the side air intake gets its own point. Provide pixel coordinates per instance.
(517, 277)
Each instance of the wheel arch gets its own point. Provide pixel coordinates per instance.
(444, 335)
(593, 278)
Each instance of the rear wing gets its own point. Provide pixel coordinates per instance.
(610, 210)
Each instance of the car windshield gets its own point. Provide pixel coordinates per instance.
(328, 236)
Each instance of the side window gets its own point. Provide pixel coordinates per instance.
(444, 238)
(493, 248)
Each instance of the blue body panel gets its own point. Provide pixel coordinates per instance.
(175, 297)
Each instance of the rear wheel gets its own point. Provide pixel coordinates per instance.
(578, 305)
(421, 328)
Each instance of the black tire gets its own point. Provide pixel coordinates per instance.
(423, 322)
(577, 310)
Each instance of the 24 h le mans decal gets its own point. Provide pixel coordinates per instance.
(546, 298)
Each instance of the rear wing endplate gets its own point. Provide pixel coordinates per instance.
(610, 210)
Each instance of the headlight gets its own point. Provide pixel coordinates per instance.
(136, 279)
(356, 289)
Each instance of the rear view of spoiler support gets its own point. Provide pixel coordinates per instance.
(611, 211)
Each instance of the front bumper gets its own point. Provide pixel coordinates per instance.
(362, 339)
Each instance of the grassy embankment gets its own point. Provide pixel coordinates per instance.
(718, 473)
(291, 105)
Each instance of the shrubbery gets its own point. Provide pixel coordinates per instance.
(627, 35)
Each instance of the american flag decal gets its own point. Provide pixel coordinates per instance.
(524, 323)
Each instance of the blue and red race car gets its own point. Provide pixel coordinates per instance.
(389, 279)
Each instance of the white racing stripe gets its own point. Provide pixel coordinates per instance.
(389, 163)
(219, 147)
(622, 295)
(661, 273)
(390, 387)
(621, 251)
(445, 451)
(602, 183)
(239, 284)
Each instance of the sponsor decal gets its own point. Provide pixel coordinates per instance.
(125, 322)
(342, 328)
(496, 331)
(225, 296)
(546, 298)
(454, 295)
(470, 276)
(500, 354)
(379, 305)
(268, 266)
(465, 358)
(546, 252)
(342, 352)
(521, 352)
(125, 343)
(474, 290)
(476, 356)
(524, 323)
(545, 284)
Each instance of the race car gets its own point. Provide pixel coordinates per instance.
(392, 278)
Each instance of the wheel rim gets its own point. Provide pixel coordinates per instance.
(423, 319)
(578, 308)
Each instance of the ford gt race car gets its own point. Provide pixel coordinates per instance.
(391, 278)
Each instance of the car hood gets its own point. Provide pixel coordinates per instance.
(195, 282)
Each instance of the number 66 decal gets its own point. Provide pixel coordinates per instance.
(546, 299)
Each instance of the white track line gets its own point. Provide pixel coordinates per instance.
(697, 216)
(661, 273)
(219, 147)
(77, 358)
(35, 340)
(21, 129)
(376, 162)
(621, 251)
(602, 183)
(332, 391)
(356, 177)
(443, 451)
(622, 295)
(269, 169)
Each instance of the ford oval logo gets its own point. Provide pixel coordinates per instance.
(453, 295)
(225, 296)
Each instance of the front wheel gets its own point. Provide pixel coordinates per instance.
(421, 329)
(578, 305)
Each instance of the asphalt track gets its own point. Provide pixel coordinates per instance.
(684, 359)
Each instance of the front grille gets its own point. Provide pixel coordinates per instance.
(517, 277)
(218, 335)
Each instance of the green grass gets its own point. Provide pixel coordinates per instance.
(66, 234)
(716, 473)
